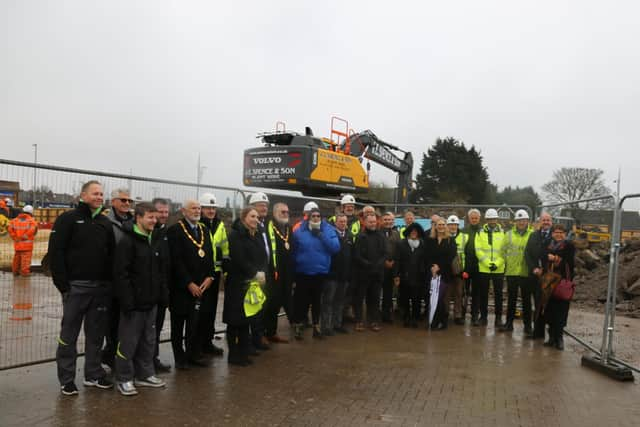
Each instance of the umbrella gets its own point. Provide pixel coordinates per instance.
(435, 291)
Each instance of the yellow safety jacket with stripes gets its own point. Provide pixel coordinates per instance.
(461, 243)
(514, 246)
(220, 244)
(489, 254)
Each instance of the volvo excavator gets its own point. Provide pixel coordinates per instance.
(324, 166)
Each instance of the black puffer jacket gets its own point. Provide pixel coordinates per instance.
(411, 265)
(247, 256)
(140, 279)
(341, 262)
(369, 253)
(81, 247)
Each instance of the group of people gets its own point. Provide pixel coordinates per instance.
(118, 273)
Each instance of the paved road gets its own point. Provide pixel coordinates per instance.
(461, 377)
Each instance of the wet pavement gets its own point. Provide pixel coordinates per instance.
(406, 377)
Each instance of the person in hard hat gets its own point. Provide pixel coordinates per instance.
(22, 230)
(140, 284)
(260, 202)
(410, 273)
(119, 214)
(456, 287)
(516, 271)
(348, 207)
(279, 283)
(247, 267)
(314, 243)
(488, 245)
(13, 211)
(193, 272)
(538, 241)
(307, 208)
(81, 249)
(217, 233)
(471, 289)
(4, 218)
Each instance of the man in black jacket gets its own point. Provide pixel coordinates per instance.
(471, 264)
(538, 241)
(192, 275)
(81, 248)
(119, 215)
(140, 285)
(335, 289)
(159, 238)
(370, 252)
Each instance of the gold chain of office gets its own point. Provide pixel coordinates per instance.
(284, 238)
(201, 252)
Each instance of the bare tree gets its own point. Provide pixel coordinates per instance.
(575, 184)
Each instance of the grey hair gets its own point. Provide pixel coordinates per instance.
(118, 191)
(474, 210)
(189, 202)
(277, 206)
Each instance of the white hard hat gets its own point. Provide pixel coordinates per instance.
(453, 220)
(258, 197)
(28, 209)
(9, 201)
(310, 205)
(348, 199)
(208, 200)
(491, 214)
(521, 214)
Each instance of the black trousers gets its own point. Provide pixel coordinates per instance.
(369, 291)
(527, 290)
(111, 337)
(308, 291)
(481, 295)
(160, 315)
(387, 295)
(190, 328)
(410, 297)
(555, 315)
(238, 342)
(278, 296)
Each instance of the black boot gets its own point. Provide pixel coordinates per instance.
(559, 341)
(498, 322)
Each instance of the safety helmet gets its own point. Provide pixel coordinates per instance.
(258, 197)
(309, 206)
(208, 200)
(8, 201)
(453, 220)
(521, 214)
(28, 209)
(491, 214)
(348, 199)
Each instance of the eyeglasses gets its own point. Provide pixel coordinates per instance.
(315, 216)
(125, 200)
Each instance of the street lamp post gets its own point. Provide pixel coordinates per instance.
(35, 168)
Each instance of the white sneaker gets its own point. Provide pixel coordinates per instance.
(127, 388)
(151, 381)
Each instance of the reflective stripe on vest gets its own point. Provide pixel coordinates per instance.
(461, 242)
(219, 241)
(272, 238)
(514, 248)
(490, 254)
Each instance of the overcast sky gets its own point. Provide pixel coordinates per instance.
(147, 85)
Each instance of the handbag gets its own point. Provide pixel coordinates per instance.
(565, 289)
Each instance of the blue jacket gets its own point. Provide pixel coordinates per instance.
(312, 254)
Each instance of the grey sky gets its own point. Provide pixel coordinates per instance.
(146, 85)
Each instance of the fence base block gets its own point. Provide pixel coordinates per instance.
(611, 369)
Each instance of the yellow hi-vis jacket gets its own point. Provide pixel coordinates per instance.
(253, 299)
(488, 254)
(513, 248)
(219, 242)
(461, 242)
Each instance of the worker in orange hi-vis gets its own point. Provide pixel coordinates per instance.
(22, 230)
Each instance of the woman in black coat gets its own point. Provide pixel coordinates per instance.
(410, 273)
(440, 252)
(559, 255)
(248, 262)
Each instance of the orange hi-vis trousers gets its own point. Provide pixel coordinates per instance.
(22, 262)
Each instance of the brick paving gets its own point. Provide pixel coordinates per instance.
(399, 377)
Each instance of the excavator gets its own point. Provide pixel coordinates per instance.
(324, 166)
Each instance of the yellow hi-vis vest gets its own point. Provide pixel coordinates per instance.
(490, 254)
(254, 299)
(461, 242)
(219, 241)
(513, 248)
(355, 226)
(272, 239)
